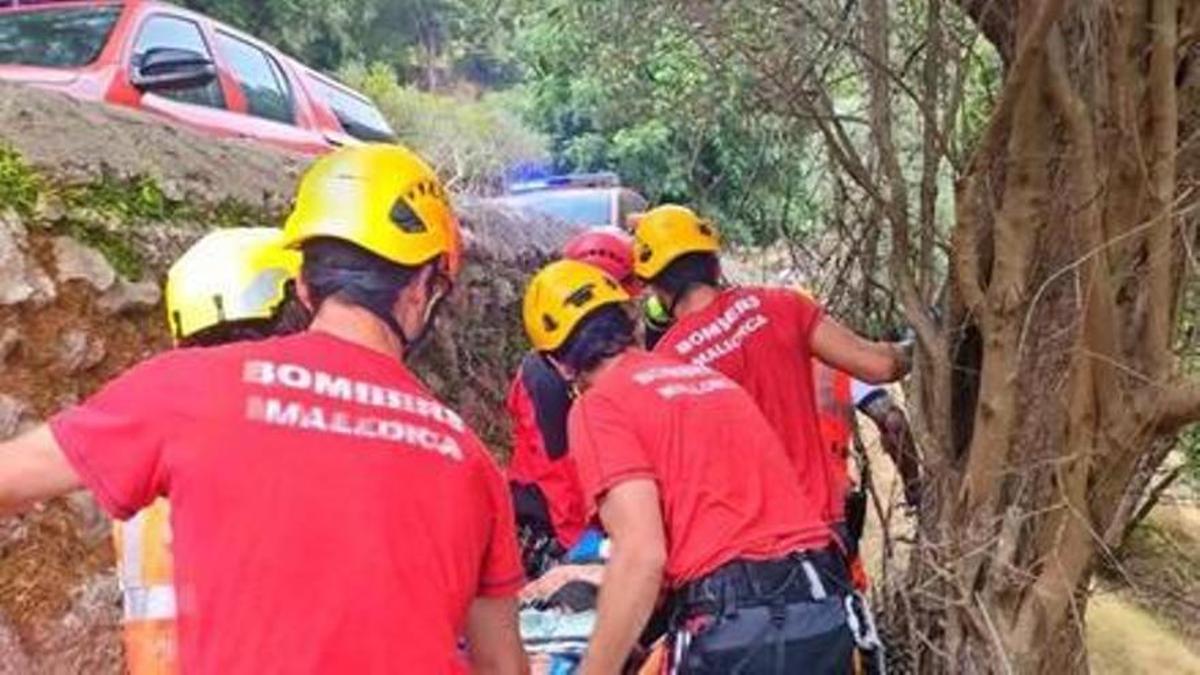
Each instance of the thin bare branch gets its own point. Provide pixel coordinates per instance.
(1153, 495)
(930, 155)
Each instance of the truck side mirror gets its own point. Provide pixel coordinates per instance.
(167, 69)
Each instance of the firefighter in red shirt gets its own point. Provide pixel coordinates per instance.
(762, 338)
(234, 284)
(765, 340)
(694, 489)
(549, 504)
(328, 513)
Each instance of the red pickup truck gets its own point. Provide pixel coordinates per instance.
(184, 66)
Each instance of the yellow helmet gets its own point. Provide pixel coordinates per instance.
(666, 233)
(561, 295)
(228, 275)
(383, 198)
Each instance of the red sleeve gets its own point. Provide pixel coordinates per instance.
(503, 575)
(525, 441)
(115, 440)
(800, 312)
(605, 449)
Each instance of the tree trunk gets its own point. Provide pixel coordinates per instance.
(1068, 264)
(1046, 383)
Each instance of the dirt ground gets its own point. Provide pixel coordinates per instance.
(1145, 615)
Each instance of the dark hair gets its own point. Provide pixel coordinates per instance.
(336, 268)
(686, 271)
(604, 334)
(290, 316)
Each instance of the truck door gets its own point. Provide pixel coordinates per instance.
(203, 106)
(270, 101)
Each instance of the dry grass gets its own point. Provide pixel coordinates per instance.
(1160, 567)
(1125, 639)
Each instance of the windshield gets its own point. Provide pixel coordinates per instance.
(577, 207)
(55, 38)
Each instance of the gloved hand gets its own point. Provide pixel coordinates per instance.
(904, 351)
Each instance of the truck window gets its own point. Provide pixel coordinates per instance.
(357, 115)
(175, 33)
(261, 79)
(55, 38)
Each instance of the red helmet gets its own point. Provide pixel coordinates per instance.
(609, 248)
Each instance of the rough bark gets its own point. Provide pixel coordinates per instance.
(1066, 260)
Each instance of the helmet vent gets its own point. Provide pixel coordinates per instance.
(405, 218)
(549, 323)
(705, 229)
(582, 296)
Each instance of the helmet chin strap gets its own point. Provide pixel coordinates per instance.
(414, 344)
(366, 293)
(569, 377)
(679, 298)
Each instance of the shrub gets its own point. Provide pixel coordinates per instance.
(472, 142)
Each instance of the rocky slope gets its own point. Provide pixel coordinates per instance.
(94, 203)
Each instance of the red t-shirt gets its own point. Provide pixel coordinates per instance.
(723, 478)
(328, 514)
(760, 338)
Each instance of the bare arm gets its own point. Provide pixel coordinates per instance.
(869, 361)
(633, 576)
(33, 468)
(493, 639)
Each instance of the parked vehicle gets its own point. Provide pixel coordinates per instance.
(587, 200)
(184, 66)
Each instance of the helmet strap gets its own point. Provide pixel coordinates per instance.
(683, 293)
(415, 343)
(569, 377)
